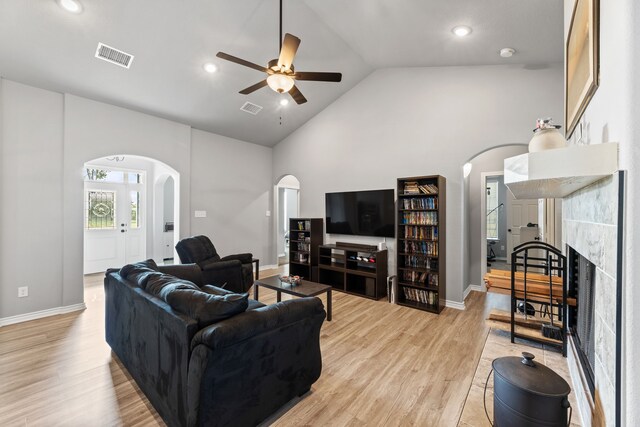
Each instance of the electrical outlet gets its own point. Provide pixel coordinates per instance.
(23, 291)
(268, 213)
(502, 247)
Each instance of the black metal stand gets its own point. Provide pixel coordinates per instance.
(540, 257)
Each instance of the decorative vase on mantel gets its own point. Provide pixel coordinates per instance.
(546, 136)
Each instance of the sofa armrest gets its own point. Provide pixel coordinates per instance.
(220, 265)
(244, 368)
(224, 274)
(190, 272)
(249, 324)
(245, 258)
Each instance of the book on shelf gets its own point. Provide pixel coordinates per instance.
(411, 187)
(421, 296)
(421, 203)
(420, 218)
(428, 189)
(421, 232)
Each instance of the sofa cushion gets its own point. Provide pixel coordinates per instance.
(214, 290)
(203, 307)
(140, 272)
(157, 283)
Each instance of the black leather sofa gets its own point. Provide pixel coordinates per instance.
(232, 372)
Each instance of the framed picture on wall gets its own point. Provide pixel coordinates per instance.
(581, 61)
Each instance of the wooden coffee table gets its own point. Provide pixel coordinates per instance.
(306, 288)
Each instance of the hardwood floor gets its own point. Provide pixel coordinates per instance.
(382, 365)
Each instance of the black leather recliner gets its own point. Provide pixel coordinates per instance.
(236, 270)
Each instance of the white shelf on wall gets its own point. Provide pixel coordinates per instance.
(559, 172)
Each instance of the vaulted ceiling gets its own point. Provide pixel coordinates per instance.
(43, 45)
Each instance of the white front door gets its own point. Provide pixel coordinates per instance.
(114, 229)
(519, 214)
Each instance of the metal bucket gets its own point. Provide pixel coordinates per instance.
(528, 394)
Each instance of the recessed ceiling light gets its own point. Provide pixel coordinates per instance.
(284, 102)
(210, 68)
(461, 30)
(507, 52)
(73, 6)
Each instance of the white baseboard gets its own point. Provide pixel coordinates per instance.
(454, 304)
(268, 267)
(5, 321)
(470, 288)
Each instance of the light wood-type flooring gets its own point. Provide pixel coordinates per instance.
(382, 365)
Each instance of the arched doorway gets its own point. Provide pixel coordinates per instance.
(124, 211)
(287, 192)
(483, 168)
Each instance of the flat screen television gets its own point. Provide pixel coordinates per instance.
(361, 213)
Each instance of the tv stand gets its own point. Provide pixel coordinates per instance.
(354, 268)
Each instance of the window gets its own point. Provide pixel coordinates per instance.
(492, 210)
(135, 209)
(100, 210)
(98, 174)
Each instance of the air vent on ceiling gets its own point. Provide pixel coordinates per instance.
(250, 108)
(113, 55)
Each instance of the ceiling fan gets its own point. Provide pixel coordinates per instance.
(281, 74)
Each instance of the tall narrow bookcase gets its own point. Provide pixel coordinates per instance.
(305, 235)
(421, 243)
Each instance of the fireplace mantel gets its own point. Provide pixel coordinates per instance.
(559, 172)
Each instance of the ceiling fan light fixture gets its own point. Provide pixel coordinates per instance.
(280, 83)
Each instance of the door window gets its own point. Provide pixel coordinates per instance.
(134, 199)
(100, 210)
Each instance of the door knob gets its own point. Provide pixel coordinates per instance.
(122, 231)
(122, 225)
(509, 230)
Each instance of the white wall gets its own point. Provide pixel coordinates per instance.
(489, 161)
(47, 138)
(612, 116)
(94, 129)
(417, 121)
(235, 188)
(31, 198)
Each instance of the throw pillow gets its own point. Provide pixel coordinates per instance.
(205, 308)
(140, 272)
(214, 290)
(156, 285)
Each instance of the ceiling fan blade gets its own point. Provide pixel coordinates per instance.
(318, 77)
(253, 88)
(297, 95)
(288, 51)
(241, 61)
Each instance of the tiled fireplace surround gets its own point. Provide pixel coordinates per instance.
(590, 226)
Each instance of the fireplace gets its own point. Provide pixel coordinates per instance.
(581, 286)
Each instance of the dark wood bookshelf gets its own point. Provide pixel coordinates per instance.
(421, 261)
(305, 236)
(340, 267)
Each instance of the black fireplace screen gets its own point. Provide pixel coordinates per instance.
(581, 317)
